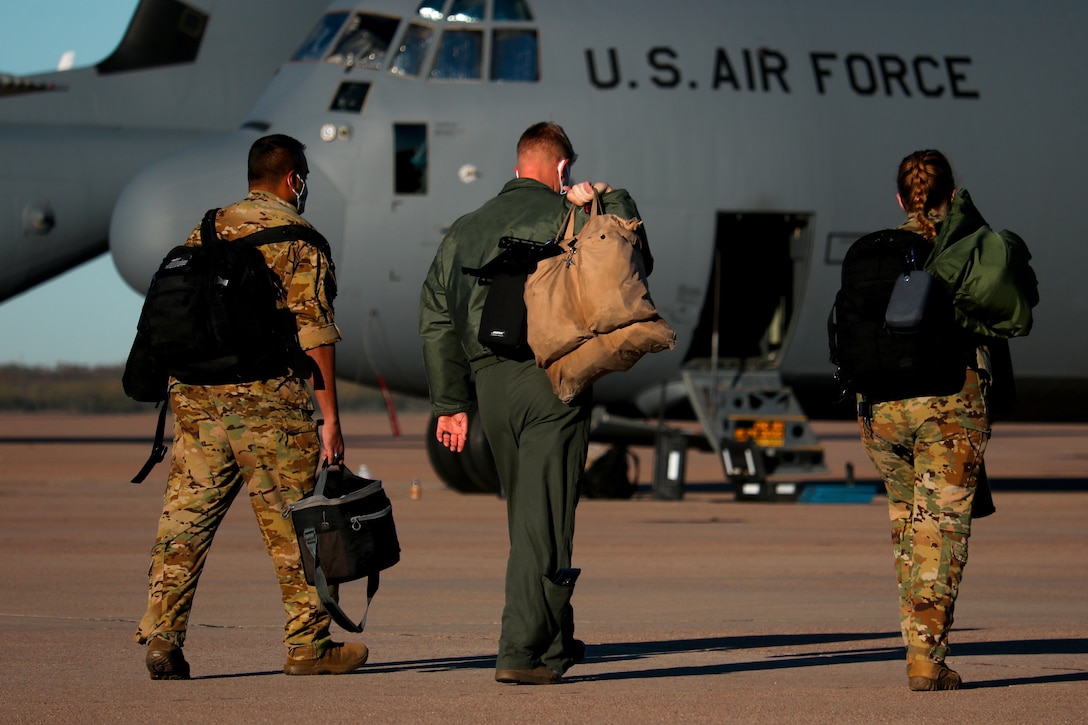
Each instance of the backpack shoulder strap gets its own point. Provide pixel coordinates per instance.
(207, 228)
(289, 233)
(158, 448)
(912, 246)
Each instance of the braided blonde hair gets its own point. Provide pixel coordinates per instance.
(925, 183)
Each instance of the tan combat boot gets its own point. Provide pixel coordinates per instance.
(932, 676)
(338, 659)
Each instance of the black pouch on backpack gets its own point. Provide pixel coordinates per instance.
(910, 298)
(503, 318)
(503, 325)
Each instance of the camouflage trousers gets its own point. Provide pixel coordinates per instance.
(227, 439)
(928, 450)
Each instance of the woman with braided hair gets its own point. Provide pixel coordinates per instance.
(928, 449)
(926, 189)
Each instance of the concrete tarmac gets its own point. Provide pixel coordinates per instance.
(702, 610)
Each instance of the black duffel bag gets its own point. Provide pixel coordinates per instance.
(345, 532)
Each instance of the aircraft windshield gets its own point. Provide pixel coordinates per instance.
(447, 46)
(319, 38)
(512, 10)
(459, 55)
(365, 41)
(413, 46)
(467, 11)
(514, 56)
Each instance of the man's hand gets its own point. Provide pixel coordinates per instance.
(452, 431)
(332, 443)
(323, 381)
(582, 193)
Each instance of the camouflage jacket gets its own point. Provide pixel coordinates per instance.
(307, 275)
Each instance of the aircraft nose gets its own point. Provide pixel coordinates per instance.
(162, 204)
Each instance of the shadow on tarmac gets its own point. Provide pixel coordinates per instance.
(620, 652)
(635, 651)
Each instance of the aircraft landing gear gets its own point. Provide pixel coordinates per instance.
(473, 469)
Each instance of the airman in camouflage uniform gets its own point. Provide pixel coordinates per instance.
(259, 435)
(929, 448)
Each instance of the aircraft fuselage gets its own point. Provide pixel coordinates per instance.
(765, 135)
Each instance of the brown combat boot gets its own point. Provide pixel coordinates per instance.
(165, 661)
(935, 677)
(338, 659)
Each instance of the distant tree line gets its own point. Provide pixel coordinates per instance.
(97, 389)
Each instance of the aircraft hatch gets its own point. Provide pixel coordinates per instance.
(750, 418)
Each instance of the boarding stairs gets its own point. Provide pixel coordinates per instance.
(755, 425)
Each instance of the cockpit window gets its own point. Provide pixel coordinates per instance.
(512, 10)
(468, 33)
(319, 38)
(431, 9)
(365, 41)
(514, 56)
(410, 163)
(408, 60)
(459, 55)
(350, 96)
(467, 11)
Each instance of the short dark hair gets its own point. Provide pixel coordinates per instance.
(547, 136)
(270, 157)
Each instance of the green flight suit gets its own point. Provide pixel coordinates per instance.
(538, 442)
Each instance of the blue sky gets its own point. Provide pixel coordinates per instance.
(87, 315)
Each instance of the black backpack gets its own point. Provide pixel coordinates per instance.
(212, 316)
(873, 360)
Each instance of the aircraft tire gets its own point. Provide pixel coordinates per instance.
(470, 471)
(447, 465)
(478, 461)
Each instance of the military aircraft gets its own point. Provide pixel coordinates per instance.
(71, 140)
(758, 138)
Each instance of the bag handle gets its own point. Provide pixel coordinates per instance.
(322, 478)
(596, 207)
